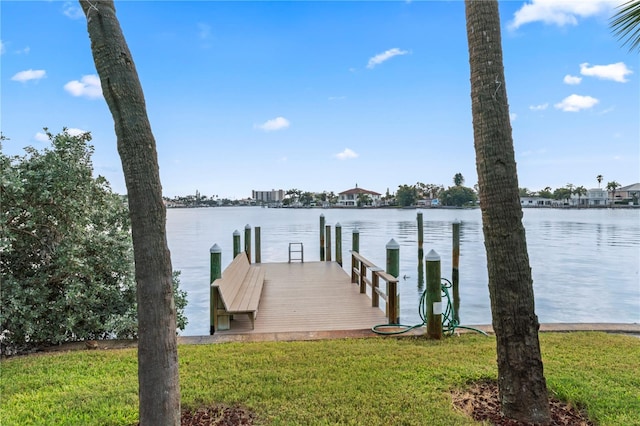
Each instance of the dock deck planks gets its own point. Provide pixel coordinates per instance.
(310, 296)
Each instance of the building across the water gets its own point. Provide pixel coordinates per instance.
(350, 197)
(269, 197)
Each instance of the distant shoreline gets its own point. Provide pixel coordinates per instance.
(615, 206)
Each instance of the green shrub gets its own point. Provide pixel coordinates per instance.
(67, 255)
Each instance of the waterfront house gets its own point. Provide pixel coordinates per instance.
(536, 202)
(629, 193)
(593, 197)
(349, 198)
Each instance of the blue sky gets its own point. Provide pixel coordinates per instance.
(323, 95)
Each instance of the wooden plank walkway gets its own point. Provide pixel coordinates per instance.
(308, 297)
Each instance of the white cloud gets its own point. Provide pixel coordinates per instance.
(615, 72)
(576, 103)
(337, 98)
(559, 12)
(572, 79)
(513, 116)
(24, 76)
(540, 107)
(277, 123)
(41, 137)
(346, 154)
(72, 11)
(2, 47)
(385, 56)
(75, 132)
(88, 87)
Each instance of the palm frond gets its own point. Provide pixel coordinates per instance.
(626, 24)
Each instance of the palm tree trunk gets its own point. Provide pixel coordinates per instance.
(521, 382)
(159, 388)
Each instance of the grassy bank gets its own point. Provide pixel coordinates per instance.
(359, 381)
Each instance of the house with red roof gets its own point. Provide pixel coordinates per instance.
(350, 197)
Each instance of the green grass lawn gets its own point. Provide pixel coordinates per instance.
(378, 381)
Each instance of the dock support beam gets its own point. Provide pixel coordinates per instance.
(215, 273)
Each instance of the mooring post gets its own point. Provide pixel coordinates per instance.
(216, 272)
(455, 273)
(420, 237)
(258, 254)
(247, 241)
(236, 243)
(321, 237)
(355, 248)
(393, 268)
(328, 242)
(434, 296)
(339, 243)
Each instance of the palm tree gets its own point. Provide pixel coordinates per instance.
(599, 179)
(521, 384)
(158, 378)
(580, 191)
(626, 24)
(611, 187)
(458, 179)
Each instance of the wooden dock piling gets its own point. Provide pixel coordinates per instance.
(258, 248)
(247, 241)
(420, 237)
(236, 243)
(455, 272)
(321, 237)
(434, 296)
(339, 243)
(393, 268)
(215, 273)
(328, 243)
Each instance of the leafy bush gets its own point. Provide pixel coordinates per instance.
(66, 251)
(458, 196)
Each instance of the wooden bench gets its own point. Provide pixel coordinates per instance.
(237, 292)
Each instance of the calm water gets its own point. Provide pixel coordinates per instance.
(585, 263)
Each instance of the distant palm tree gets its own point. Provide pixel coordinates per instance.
(599, 179)
(580, 191)
(626, 24)
(611, 187)
(458, 179)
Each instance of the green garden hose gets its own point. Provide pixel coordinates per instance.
(449, 323)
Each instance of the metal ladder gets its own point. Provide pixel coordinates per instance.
(296, 248)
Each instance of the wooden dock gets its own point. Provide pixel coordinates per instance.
(308, 297)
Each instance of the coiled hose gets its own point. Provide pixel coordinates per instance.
(449, 323)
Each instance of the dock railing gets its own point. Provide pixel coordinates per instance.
(366, 273)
